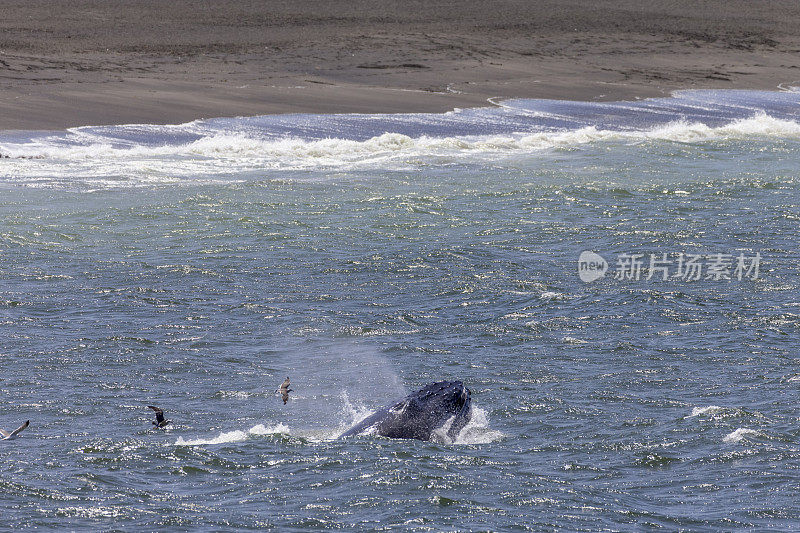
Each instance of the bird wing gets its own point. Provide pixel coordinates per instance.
(4, 433)
(23, 426)
(159, 413)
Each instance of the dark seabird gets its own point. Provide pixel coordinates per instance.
(284, 390)
(160, 422)
(8, 436)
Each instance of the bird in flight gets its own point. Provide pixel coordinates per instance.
(13, 435)
(160, 421)
(284, 390)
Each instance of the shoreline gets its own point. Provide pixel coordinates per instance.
(173, 103)
(113, 62)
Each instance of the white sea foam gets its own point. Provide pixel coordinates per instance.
(707, 410)
(236, 149)
(236, 436)
(741, 434)
(289, 152)
(551, 295)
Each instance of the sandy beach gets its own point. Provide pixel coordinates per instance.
(96, 62)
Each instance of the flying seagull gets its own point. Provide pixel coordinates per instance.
(284, 390)
(160, 422)
(8, 436)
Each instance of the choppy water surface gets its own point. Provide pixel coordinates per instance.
(195, 266)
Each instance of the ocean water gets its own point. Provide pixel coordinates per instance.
(195, 266)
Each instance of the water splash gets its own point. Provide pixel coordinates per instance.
(477, 430)
(236, 436)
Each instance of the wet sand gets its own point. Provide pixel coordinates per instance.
(109, 61)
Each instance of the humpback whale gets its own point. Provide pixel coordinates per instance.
(439, 409)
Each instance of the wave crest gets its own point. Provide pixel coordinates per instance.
(236, 436)
(294, 152)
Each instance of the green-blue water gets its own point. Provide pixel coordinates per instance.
(198, 281)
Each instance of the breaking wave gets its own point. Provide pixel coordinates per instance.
(236, 436)
(296, 152)
(231, 148)
(741, 434)
(707, 410)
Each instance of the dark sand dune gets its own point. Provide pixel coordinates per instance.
(113, 61)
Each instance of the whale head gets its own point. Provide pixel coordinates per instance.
(437, 411)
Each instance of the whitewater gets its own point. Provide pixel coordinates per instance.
(215, 149)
